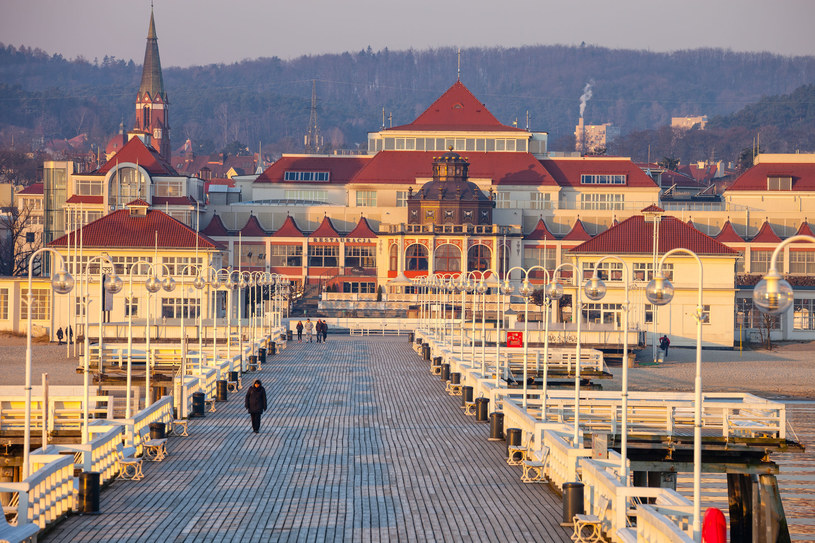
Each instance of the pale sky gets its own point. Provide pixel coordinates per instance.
(194, 32)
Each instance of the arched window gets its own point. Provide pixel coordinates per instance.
(145, 118)
(478, 258)
(416, 257)
(394, 258)
(447, 259)
(127, 184)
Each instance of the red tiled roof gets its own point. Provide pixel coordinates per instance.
(138, 202)
(540, 232)
(766, 235)
(137, 152)
(32, 189)
(567, 171)
(457, 110)
(653, 208)
(215, 227)
(362, 230)
(341, 168)
(577, 233)
(404, 167)
(289, 229)
(118, 230)
(115, 143)
(173, 201)
(325, 230)
(804, 230)
(77, 199)
(252, 228)
(803, 176)
(728, 234)
(635, 236)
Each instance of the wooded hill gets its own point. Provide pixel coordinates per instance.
(47, 96)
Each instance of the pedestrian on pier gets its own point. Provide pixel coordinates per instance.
(309, 329)
(299, 331)
(318, 327)
(256, 403)
(59, 336)
(70, 334)
(664, 343)
(325, 331)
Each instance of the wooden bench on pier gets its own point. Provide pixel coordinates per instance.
(19, 533)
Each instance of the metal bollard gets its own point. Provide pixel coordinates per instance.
(197, 404)
(445, 372)
(410, 337)
(272, 349)
(156, 430)
(482, 406)
(221, 390)
(455, 378)
(572, 502)
(496, 426)
(89, 492)
(514, 440)
(466, 395)
(262, 354)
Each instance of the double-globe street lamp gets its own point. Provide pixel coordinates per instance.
(61, 283)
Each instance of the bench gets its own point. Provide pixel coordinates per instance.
(234, 386)
(454, 390)
(469, 407)
(19, 533)
(129, 465)
(209, 403)
(154, 450)
(589, 528)
(179, 427)
(534, 464)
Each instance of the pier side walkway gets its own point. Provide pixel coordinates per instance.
(360, 443)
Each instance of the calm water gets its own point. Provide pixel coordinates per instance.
(796, 480)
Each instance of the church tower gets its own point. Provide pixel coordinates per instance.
(152, 106)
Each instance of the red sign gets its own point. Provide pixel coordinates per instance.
(515, 339)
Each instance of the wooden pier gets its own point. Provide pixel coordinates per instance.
(360, 443)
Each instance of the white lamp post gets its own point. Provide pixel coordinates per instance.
(128, 410)
(595, 290)
(153, 284)
(61, 283)
(660, 291)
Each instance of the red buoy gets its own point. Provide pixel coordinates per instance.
(714, 528)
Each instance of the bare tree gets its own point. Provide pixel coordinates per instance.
(17, 242)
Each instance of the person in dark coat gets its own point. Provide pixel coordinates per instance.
(256, 403)
(325, 331)
(70, 334)
(59, 335)
(664, 343)
(318, 327)
(300, 332)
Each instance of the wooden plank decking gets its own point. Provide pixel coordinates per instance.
(360, 443)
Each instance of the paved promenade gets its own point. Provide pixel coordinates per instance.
(360, 443)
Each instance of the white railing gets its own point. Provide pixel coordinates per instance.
(46, 494)
(160, 411)
(64, 413)
(563, 459)
(100, 454)
(655, 527)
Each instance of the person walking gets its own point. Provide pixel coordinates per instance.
(300, 332)
(59, 336)
(664, 343)
(70, 334)
(256, 403)
(325, 331)
(309, 329)
(319, 329)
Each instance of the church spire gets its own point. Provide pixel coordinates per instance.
(151, 79)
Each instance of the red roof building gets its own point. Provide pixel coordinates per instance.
(728, 234)
(570, 172)
(540, 232)
(362, 230)
(252, 228)
(215, 228)
(303, 169)
(325, 230)
(577, 233)
(766, 235)
(136, 152)
(289, 229)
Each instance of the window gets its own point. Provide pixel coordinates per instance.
(30, 237)
(3, 303)
(602, 179)
(166, 189)
(502, 200)
(178, 265)
(705, 314)
(599, 313)
(127, 184)
(393, 260)
(539, 200)
(366, 287)
(307, 195)
(602, 201)
(323, 256)
(306, 176)
(251, 255)
(760, 261)
(40, 303)
(779, 183)
(740, 262)
(803, 314)
(540, 256)
(286, 255)
(416, 257)
(87, 187)
(478, 258)
(607, 271)
(358, 256)
(123, 264)
(802, 262)
(131, 307)
(366, 198)
(748, 316)
(174, 308)
(644, 271)
(447, 258)
(401, 198)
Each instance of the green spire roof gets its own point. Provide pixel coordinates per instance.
(151, 80)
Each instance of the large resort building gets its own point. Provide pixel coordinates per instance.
(453, 192)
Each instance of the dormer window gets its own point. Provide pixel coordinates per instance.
(779, 183)
(602, 179)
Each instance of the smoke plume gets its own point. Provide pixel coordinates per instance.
(585, 97)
